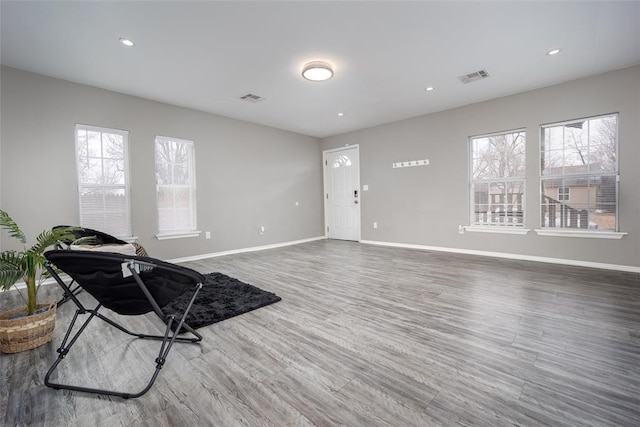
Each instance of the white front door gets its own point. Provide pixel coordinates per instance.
(342, 193)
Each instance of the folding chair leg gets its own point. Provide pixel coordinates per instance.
(66, 297)
(167, 339)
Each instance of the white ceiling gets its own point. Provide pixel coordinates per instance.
(206, 55)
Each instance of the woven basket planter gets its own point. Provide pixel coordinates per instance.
(25, 333)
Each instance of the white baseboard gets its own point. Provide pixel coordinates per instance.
(243, 250)
(21, 284)
(589, 264)
(626, 268)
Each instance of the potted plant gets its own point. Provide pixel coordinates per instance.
(30, 326)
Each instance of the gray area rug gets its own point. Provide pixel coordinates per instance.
(220, 298)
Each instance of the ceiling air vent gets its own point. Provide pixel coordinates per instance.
(478, 75)
(252, 98)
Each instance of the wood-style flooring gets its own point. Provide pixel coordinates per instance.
(363, 336)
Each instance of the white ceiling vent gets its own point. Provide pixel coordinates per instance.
(478, 75)
(252, 98)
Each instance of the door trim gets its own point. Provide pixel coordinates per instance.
(325, 188)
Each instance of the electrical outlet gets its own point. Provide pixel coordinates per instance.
(375, 225)
(207, 235)
(461, 229)
(261, 230)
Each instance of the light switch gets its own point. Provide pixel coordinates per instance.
(365, 187)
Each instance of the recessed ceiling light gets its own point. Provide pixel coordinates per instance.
(429, 89)
(340, 114)
(554, 52)
(127, 42)
(317, 71)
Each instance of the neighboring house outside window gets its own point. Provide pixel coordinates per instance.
(579, 159)
(176, 186)
(103, 179)
(498, 179)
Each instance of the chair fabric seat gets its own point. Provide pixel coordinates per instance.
(101, 274)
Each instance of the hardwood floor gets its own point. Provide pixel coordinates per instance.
(364, 336)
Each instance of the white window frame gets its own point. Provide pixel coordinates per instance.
(493, 226)
(174, 232)
(105, 225)
(571, 231)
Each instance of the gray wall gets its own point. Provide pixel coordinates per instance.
(250, 175)
(425, 205)
(247, 175)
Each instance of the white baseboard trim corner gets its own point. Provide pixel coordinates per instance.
(562, 261)
(244, 250)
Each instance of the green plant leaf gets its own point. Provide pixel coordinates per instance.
(86, 240)
(8, 224)
(50, 237)
(10, 268)
(28, 264)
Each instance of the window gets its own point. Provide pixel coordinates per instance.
(175, 186)
(563, 193)
(341, 161)
(103, 179)
(498, 179)
(579, 158)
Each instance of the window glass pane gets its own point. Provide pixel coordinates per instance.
(175, 180)
(583, 191)
(102, 180)
(113, 146)
(163, 173)
(602, 158)
(94, 142)
(81, 144)
(554, 139)
(480, 203)
(498, 170)
(113, 171)
(93, 172)
(499, 156)
(341, 161)
(181, 174)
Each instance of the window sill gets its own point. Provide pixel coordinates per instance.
(584, 234)
(493, 229)
(181, 235)
(131, 239)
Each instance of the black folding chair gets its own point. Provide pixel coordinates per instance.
(97, 238)
(151, 284)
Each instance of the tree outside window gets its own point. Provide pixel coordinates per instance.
(498, 179)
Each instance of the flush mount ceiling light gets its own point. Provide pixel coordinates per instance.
(429, 89)
(127, 42)
(317, 71)
(554, 52)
